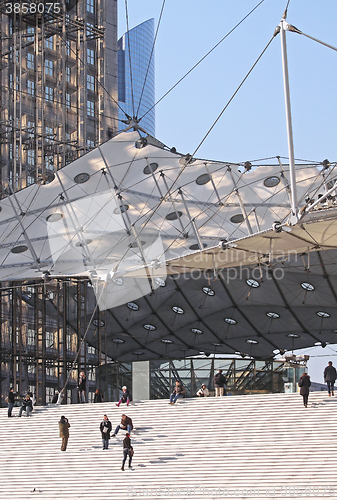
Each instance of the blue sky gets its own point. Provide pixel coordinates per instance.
(253, 127)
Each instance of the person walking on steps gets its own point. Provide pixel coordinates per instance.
(219, 382)
(105, 429)
(82, 388)
(64, 432)
(330, 376)
(304, 383)
(125, 396)
(127, 450)
(10, 400)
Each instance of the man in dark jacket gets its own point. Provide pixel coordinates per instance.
(127, 450)
(105, 429)
(330, 377)
(26, 405)
(219, 382)
(125, 425)
(64, 432)
(10, 400)
(304, 383)
(179, 391)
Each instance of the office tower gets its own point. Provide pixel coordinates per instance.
(58, 100)
(58, 86)
(136, 78)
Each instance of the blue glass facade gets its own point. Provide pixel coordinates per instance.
(137, 45)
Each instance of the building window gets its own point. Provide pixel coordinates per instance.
(49, 94)
(30, 32)
(31, 128)
(68, 74)
(49, 394)
(49, 339)
(30, 179)
(90, 144)
(49, 43)
(68, 100)
(91, 82)
(31, 157)
(11, 79)
(49, 133)
(49, 162)
(90, 108)
(92, 374)
(30, 87)
(49, 67)
(30, 337)
(90, 30)
(91, 6)
(50, 371)
(90, 56)
(30, 61)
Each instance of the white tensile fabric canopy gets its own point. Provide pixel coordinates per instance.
(132, 212)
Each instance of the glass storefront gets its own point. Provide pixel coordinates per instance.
(244, 376)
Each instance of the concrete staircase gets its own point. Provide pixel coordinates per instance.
(258, 446)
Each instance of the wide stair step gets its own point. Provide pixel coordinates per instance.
(253, 446)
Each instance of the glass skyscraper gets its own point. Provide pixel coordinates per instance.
(136, 87)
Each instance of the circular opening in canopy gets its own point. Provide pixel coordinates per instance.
(272, 315)
(203, 179)
(250, 341)
(122, 209)
(237, 219)
(133, 306)
(197, 331)
(178, 310)
(98, 322)
(137, 353)
(208, 291)
(167, 341)
(147, 170)
(54, 217)
(81, 178)
(308, 287)
(230, 321)
(197, 247)
(118, 341)
(272, 181)
(19, 249)
(173, 215)
(323, 314)
(293, 335)
(252, 283)
(118, 281)
(159, 282)
(151, 328)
